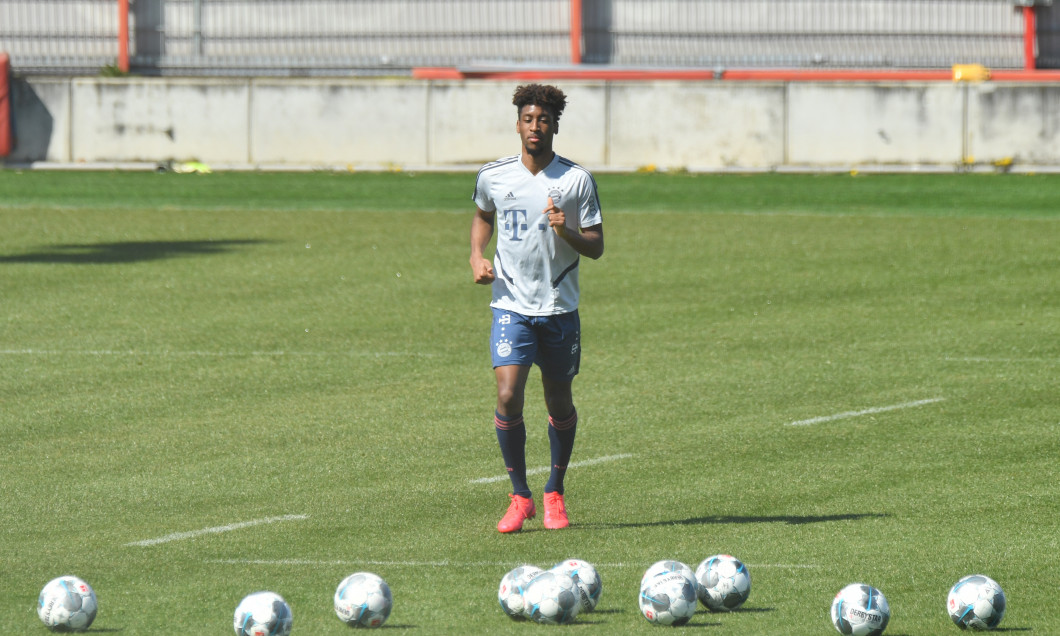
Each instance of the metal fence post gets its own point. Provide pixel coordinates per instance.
(197, 26)
(6, 131)
(123, 36)
(575, 31)
(1029, 30)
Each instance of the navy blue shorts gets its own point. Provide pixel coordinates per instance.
(553, 343)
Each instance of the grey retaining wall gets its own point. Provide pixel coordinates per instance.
(400, 123)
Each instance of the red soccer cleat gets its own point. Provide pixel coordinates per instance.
(555, 511)
(521, 509)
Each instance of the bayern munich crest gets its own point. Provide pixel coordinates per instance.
(504, 348)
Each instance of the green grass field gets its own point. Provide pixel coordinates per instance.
(837, 379)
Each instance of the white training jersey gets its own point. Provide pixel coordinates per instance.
(536, 270)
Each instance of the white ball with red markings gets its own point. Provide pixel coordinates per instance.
(724, 582)
(552, 598)
(363, 599)
(513, 587)
(668, 594)
(67, 604)
(263, 614)
(976, 602)
(586, 577)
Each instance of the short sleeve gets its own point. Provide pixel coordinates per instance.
(481, 196)
(589, 213)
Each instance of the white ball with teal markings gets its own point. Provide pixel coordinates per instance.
(67, 604)
(668, 595)
(860, 610)
(587, 579)
(552, 598)
(724, 582)
(976, 602)
(363, 599)
(513, 587)
(263, 614)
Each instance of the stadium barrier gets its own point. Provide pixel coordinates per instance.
(284, 123)
(957, 73)
(788, 54)
(5, 105)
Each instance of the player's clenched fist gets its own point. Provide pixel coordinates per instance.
(482, 270)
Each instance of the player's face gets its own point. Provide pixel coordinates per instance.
(536, 127)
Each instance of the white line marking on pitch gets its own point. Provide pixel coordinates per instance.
(449, 564)
(177, 536)
(545, 469)
(878, 409)
(999, 360)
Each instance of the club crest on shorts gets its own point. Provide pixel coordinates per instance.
(504, 348)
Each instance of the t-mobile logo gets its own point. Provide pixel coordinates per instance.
(515, 222)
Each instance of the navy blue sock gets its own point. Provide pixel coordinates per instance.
(561, 443)
(511, 435)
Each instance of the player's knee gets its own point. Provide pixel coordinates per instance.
(509, 399)
(559, 405)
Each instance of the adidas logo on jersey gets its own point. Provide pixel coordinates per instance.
(509, 196)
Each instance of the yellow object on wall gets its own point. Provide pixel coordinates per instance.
(970, 73)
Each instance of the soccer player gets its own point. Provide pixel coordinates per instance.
(545, 212)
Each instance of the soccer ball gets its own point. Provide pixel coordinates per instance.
(67, 604)
(666, 567)
(860, 610)
(513, 587)
(552, 598)
(588, 579)
(668, 594)
(363, 599)
(263, 614)
(976, 602)
(724, 582)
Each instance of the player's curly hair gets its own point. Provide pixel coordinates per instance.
(543, 95)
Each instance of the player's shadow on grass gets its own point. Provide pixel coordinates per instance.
(733, 519)
(126, 252)
(697, 620)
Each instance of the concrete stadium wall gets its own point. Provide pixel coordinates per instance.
(400, 123)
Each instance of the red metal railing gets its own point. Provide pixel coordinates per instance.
(123, 36)
(575, 31)
(5, 105)
(1029, 31)
(578, 71)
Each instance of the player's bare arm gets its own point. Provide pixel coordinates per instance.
(588, 242)
(481, 233)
